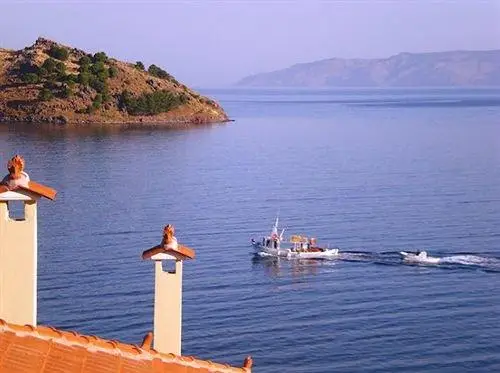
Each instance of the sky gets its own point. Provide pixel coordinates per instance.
(214, 43)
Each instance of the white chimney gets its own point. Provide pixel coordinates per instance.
(167, 332)
(18, 244)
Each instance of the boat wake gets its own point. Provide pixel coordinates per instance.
(472, 260)
(355, 256)
(301, 248)
(448, 261)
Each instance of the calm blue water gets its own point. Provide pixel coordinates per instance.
(372, 172)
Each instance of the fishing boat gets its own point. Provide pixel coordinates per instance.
(297, 247)
(419, 257)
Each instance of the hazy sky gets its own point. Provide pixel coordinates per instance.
(210, 43)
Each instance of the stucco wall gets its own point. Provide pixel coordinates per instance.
(18, 265)
(168, 309)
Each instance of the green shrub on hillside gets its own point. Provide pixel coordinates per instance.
(158, 72)
(97, 84)
(42, 73)
(106, 96)
(95, 74)
(97, 67)
(100, 57)
(84, 78)
(140, 66)
(60, 70)
(96, 104)
(29, 73)
(97, 101)
(30, 78)
(49, 65)
(100, 71)
(112, 72)
(27, 67)
(71, 78)
(59, 53)
(84, 68)
(85, 61)
(52, 70)
(45, 95)
(151, 103)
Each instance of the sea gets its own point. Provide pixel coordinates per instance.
(370, 171)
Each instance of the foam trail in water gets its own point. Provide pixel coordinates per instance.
(355, 257)
(471, 260)
(394, 258)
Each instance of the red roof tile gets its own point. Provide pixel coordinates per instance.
(25, 349)
(183, 252)
(39, 189)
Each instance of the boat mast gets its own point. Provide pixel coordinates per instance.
(275, 228)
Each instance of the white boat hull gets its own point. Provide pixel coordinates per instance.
(291, 254)
(415, 258)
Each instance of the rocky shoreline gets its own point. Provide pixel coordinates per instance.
(62, 120)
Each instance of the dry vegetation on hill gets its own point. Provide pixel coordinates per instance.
(50, 82)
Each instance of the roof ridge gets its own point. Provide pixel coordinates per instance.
(114, 347)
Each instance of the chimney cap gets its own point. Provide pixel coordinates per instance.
(18, 180)
(180, 253)
(169, 248)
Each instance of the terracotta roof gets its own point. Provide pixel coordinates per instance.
(39, 189)
(181, 252)
(42, 190)
(26, 349)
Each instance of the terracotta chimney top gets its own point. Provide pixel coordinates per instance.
(170, 247)
(169, 241)
(17, 178)
(248, 362)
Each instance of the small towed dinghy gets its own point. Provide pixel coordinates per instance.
(419, 257)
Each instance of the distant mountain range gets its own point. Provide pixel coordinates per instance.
(443, 69)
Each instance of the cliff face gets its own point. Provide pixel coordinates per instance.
(50, 82)
(460, 68)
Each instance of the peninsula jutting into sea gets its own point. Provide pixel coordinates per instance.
(51, 82)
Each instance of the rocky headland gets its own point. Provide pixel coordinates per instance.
(48, 82)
